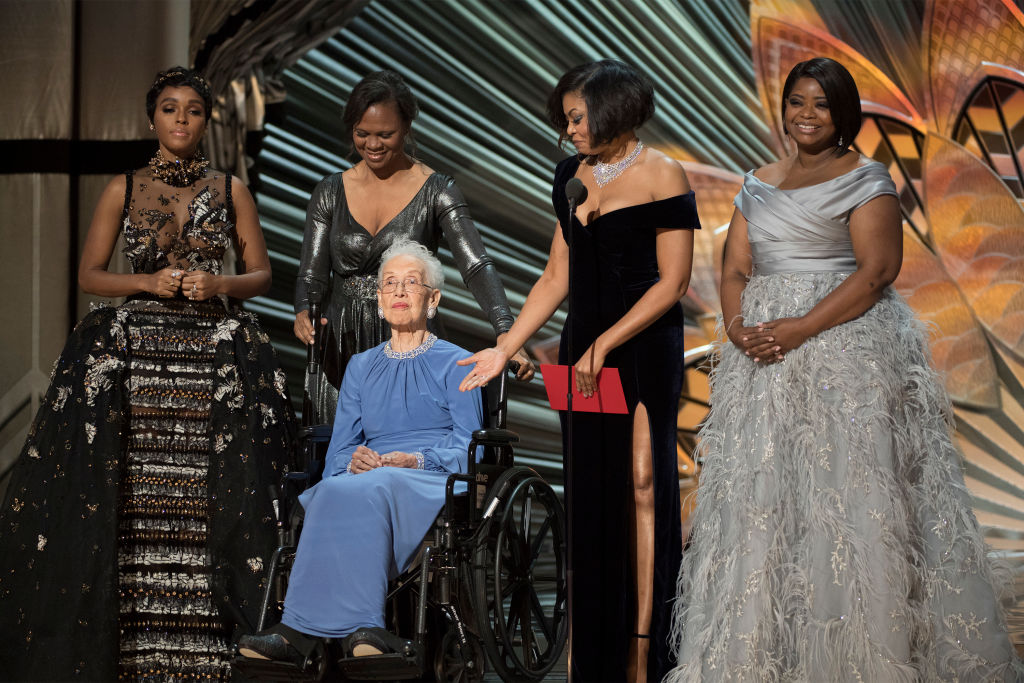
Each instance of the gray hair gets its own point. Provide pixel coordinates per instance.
(433, 271)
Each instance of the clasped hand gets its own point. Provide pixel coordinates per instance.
(194, 284)
(768, 342)
(365, 459)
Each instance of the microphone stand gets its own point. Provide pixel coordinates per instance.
(567, 464)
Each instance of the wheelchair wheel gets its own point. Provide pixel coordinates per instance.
(450, 662)
(519, 577)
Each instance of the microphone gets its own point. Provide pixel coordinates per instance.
(315, 287)
(576, 192)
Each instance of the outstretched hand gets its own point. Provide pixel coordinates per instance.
(489, 363)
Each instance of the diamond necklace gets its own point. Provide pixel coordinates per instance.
(605, 173)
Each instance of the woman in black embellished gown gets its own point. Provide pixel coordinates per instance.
(136, 524)
(354, 216)
(632, 246)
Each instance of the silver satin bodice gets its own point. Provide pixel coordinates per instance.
(807, 229)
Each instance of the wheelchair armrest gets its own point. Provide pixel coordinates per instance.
(316, 432)
(495, 437)
(300, 478)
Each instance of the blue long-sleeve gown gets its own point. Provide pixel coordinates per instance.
(363, 529)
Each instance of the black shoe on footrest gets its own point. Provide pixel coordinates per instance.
(372, 641)
(272, 646)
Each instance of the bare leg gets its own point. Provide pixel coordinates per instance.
(642, 542)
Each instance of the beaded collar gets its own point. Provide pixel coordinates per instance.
(180, 172)
(412, 353)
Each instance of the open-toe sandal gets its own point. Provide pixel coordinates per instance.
(366, 642)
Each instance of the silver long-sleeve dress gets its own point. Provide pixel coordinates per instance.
(833, 538)
(342, 257)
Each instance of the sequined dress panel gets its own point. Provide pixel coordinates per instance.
(833, 537)
(186, 421)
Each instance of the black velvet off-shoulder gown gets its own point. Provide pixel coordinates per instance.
(614, 261)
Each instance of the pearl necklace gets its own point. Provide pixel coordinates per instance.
(605, 173)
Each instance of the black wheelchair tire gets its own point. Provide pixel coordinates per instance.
(523, 646)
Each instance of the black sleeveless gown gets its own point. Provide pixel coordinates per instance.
(614, 261)
(136, 526)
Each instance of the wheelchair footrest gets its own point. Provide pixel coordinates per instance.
(387, 667)
(268, 670)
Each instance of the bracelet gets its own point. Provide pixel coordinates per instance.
(419, 460)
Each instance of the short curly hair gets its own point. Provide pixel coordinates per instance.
(179, 77)
(433, 270)
(619, 99)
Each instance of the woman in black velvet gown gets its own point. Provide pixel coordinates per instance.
(632, 245)
(136, 524)
(354, 216)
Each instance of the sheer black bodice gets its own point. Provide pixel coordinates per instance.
(153, 211)
(136, 524)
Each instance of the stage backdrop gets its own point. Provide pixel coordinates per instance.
(942, 85)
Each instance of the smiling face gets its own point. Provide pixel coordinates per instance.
(379, 136)
(807, 116)
(180, 121)
(402, 295)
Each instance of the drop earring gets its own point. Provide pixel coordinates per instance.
(432, 311)
(380, 312)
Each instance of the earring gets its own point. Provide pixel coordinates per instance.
(380, 312)
(152, 127)
(840, 143)
(432, 311)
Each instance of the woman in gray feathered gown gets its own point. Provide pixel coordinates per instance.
(833, 537)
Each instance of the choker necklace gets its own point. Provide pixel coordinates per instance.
(412, 353)
(180, 172)
(605, 173)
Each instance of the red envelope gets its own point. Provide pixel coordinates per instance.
(609, 397)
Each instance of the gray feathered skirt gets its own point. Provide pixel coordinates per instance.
(833, 537)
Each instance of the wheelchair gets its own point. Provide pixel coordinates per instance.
(489, 589)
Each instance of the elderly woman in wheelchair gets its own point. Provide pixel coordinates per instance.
(401, 427)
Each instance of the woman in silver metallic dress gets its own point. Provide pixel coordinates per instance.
(137, 523)
(833, 538)
(354, 216)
